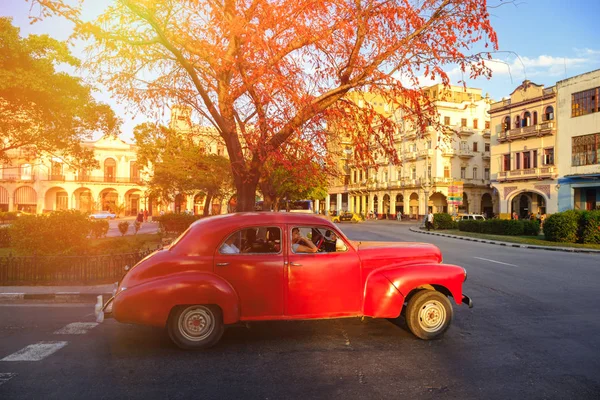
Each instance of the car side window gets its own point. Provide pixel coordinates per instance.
(255, 240)
(315, 240)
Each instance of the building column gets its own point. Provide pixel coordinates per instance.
(379, 203)
(338, 204)
(363, 206)
(317, 206)
(11, 202)
(350, 203)
(327, 204)
(392, 203)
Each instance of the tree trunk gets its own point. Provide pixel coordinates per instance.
(246, 195)
(207, 204)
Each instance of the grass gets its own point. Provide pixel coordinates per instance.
(532, 240)
(111, 245)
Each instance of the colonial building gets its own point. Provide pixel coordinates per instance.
(38, 185)
(579, 142)
(431, 162)
(523, 164)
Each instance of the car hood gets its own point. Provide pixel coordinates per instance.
(395, 253)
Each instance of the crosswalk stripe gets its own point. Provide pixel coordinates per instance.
(6, 376)
(36, 352)
(76, 328)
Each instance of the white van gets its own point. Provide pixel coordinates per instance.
(464, 217)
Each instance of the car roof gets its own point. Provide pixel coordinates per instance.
(268, 217)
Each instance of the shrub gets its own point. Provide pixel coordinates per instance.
(7, 216)
(562, 227)
(123, 227)
(98, 228)
(136, 226)
(513, 227)
(531, 228)
(442, 221)
(172, 223)
(590, 227)
(469, 225)
(61, 232)
(4, 236)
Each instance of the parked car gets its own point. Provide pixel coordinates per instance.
(103, 215)
(463, 217)
(346, 217)
(245, 267)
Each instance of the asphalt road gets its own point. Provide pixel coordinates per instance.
(533, 334)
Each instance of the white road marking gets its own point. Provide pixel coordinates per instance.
(36, 352)
(497, 262)
(6, 376)
(76, 328)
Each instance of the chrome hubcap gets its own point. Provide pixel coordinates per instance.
(432, 316)
(196, 323)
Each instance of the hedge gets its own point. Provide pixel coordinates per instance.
(4, 236)
(573, 226)
(443, 221)
(501, 227)
(172, 223)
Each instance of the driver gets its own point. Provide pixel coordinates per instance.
(301, 244)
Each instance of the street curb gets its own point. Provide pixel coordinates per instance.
(507, 244)
(59, 297)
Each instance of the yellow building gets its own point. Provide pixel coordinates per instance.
(523, 151)
(38, 185)
(430, 162)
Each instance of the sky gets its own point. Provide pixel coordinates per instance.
(541, 40)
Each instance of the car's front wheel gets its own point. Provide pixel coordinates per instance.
(428, 314)
(195, 327)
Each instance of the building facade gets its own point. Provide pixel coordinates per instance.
(431, 162)
(579, 142)
(523, 160)
(38, 185)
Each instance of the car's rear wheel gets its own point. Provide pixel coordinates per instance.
(428, 314)
(195, 327)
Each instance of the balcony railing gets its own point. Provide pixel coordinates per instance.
(465, 153)
(426, 153)
(410, 155)
(528, 173)
(486, 134)
(545, 128)
(486, 155)
(465, 131)
(96, 179)
(17, 178)
(448, 152)
(440, 180)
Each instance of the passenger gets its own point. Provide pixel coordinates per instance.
(301, 244)
(228, 247)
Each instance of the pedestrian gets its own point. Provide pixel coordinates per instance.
(145, 215)
(140, 217)
(429, 221)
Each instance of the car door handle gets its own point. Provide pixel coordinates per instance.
(222, 264)
(295, 264)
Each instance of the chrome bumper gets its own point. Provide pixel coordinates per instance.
(103, 311)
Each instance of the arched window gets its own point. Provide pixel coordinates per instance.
(526, 119)
(506, 126)
(110, 170)
(535, 118)
(517, 121)
(475, 173)
(549, 113)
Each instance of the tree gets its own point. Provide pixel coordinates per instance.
(42, 110)
(264, 72)
(180, 164)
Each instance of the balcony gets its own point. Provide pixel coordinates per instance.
(426, 153)
(546, 172)
(410, 135)
(410, 155)
(486, 155)
(442, 181)
(465, 131)
(382, 185)
(17, 178)
(465, 153)
(486, 134)
(448, 152)
(56, 178)
(543, 129)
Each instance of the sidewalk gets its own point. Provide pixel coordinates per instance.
(508, 244)
(58, 294)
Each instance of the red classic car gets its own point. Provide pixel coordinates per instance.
(280, 266)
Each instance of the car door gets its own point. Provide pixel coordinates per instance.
(256, 272)
(323, 284)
